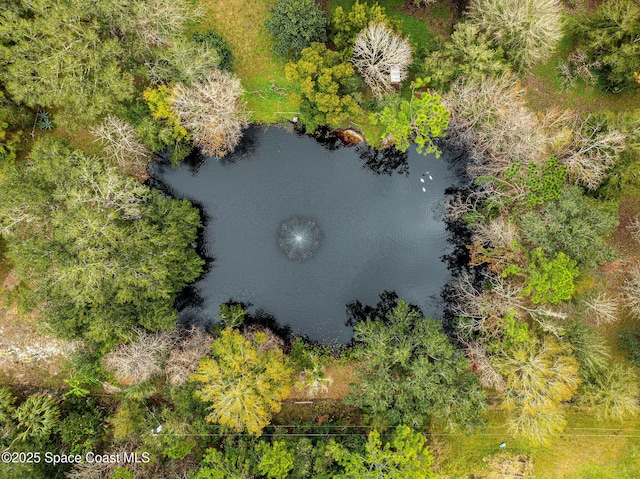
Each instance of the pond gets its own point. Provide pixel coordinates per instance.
(298, 229)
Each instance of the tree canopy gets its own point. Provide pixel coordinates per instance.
(243, 382)
(100, 251)
(410, 373)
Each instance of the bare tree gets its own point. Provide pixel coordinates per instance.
(213, 111)
(140, 360)
(498, 233)
(120, 142)
(483, 369)
(377, 50)
(603, 308)
(631, 290)
(489, 118)
(185, 357)
(586, 146)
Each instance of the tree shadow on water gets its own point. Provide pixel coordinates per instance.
(383, 162)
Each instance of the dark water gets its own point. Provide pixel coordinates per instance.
(378, 231)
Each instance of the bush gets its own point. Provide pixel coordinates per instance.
(219, 44)
(609, 37)
(527, 30)
(296, 24)
(346, 26)
(613, 393)
(629, 341)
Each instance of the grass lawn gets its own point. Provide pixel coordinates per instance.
(414, 28)
(241, 23)
(588, 449)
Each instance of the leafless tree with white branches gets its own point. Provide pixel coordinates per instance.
(212, 111)
(603, 308)
(120, 142)
(140, 360)
(584, 145)
(185, 357)
(499, 232)
(631, 290)
(376, 51)
(489, 118)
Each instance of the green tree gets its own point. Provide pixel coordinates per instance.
(276, 460)
(609, 37)
(573, 224)
(63, 54)
(99, 252)
(346, 26)
(296, 24)
(36, 418)
(410, 373)
(405, 456)
(527, 30)
(243, 383)
(547, 281)
(420, 120)
(613, 394)
(468, 53)
(325, 87)
(539, 375)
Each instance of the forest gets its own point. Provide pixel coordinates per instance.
(531, 372)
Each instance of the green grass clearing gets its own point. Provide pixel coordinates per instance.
(414, 28)
(241, 23)
(588, 449)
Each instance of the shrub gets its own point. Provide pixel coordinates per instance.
(36, 418)
(219, 44)
(613, 393)
(527, 30)
(346, 26)
(296, 24)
